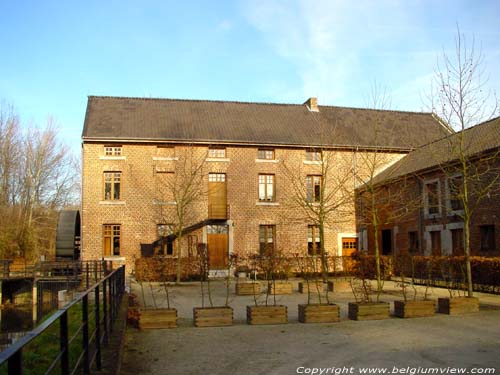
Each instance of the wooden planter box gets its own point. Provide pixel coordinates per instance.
(339, 284)
(280, 288)
(312, 286)
(316, 313)
(458, 305)
(247, 288)
(158, 318)
(414, 309)
(213, 316)
(369, 310)
(267, 314)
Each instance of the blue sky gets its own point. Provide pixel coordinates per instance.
(53, 54)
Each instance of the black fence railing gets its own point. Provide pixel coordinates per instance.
(70, 341)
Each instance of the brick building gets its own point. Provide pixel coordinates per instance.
(426, 187)
(252, 171)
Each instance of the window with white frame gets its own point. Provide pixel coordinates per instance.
(313, 155)
(112, 186)
(313, 185)
(112, 150)
(266, 187)
(265, 154)
(217, 152)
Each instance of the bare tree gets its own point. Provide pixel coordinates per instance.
(38, 176)
(321, 191)
(381, 204)
(180, 191)
(460, 97)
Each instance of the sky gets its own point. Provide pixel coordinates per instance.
(54, 54)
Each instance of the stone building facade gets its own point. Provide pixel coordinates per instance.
(257, 170)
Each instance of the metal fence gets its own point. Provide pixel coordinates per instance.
(70, 341)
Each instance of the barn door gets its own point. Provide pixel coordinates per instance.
(217, 199)
(218, 246)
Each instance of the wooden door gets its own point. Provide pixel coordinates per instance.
(218, 247)
(349, 246)
(217, 196)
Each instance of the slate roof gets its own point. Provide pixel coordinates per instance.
(204, 121)
(477, 139)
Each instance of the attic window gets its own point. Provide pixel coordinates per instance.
(266, 154)
(217, 152)
(112, 150)
(313, 155)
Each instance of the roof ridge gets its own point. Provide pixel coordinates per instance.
(189, 100)
(250, 102)
(377, 109)
(458, 132)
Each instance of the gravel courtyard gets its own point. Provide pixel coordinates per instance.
(410, 346)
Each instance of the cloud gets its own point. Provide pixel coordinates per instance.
(338, 48)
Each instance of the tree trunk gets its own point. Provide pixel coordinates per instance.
(468, 271)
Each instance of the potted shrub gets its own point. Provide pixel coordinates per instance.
(453, 274)
(411, 306)
(320, 310)
(364, 308)
(211, 316)
(268, 262)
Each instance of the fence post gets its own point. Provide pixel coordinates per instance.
(85, 333)
(63, 337)
(105, 309)
(97, 329)
(87, 274)
(15, 364)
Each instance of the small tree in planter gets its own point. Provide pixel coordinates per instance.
(245, 286)
(157, 317)
(364, 308)
(322, 311)
(212, 316)
(454, 275)
(411, 306)
(270, 263)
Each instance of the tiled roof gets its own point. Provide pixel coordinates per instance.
(477, 139)
(143, 119)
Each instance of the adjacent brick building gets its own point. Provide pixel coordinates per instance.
(248, 163)
(425, 188)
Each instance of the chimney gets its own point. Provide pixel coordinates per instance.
(312, 104)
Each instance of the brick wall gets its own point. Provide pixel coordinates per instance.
(418, 220)
(138, 212)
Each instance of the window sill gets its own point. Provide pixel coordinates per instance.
(112, 157)
(455, 213)
(112, 203)
(222, 160)
(114, 258)
(165, 158)
(267, 204)
(273, 161)
(313, 204)
(312, 162)
(161, 203)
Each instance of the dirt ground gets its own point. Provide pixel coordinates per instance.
(440, 344)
